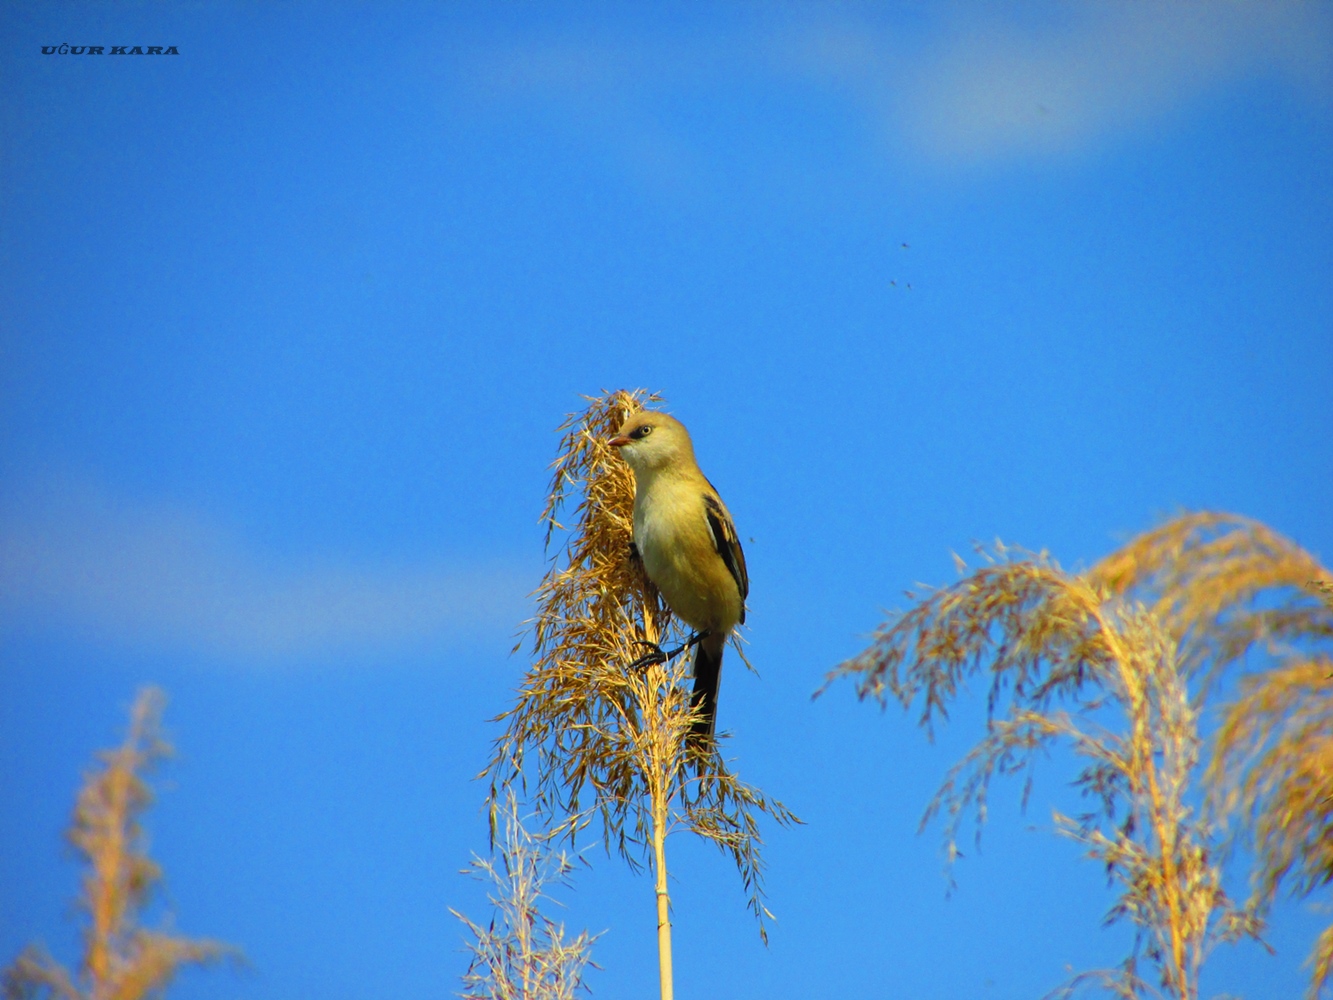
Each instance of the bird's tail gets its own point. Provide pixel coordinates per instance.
(707, 677)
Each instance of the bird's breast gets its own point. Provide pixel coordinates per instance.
(680, 557)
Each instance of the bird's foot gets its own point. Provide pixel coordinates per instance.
(654, 655)
(657, 654)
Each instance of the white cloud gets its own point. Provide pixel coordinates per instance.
(165, 578)
(993, 87)
(971, 82)
(613, 93)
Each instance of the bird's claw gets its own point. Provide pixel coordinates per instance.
(654, 655)
(657, 654)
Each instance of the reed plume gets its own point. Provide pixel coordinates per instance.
(121, 959)
(1241, 598)
(521, 954)
(590, 741)
(1064, 656)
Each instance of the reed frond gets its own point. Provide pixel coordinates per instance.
(1273, 767)
(121, 960)
(1321, 961)
(1064, 655)
(1022, 619)
(1222, 584)
(1230, 589)
(587, 739)
(522, 954)
(35, 974)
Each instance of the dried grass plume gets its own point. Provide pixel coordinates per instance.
(121, 959)
(1242, 599)
(1064, 658)
(522, 954)
(588, 740)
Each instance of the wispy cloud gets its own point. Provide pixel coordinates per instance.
(971, 83)
(162, 577)
(616, 93)
(996, 89)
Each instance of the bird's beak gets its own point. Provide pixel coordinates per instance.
(618, 442)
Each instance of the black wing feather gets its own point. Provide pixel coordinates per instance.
(728, 545)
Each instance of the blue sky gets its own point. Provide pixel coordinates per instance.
(287, 323)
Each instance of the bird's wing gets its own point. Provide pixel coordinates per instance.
(728, 544)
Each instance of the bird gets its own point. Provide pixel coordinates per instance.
(687, 541)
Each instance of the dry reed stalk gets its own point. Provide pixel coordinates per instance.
(1232, 591)
(587, 739)
(522, 954)
(1063, 656)
(121, 960)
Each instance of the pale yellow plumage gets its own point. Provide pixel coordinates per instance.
(687, 541)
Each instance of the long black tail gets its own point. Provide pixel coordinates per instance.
(707, 677)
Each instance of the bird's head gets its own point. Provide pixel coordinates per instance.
(651, 441)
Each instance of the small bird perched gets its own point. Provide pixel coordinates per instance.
(688, 544)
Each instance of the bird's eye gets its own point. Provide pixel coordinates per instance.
(642, 432)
